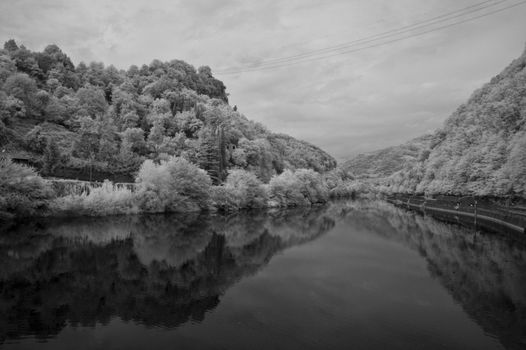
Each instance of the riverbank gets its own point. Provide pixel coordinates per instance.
(493, 213)
(175, 185)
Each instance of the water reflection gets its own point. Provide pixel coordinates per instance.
(484, 272)
(163, 271)
(155, 270)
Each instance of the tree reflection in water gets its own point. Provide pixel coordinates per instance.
(164, 270)
(484, 272)
(155, 270)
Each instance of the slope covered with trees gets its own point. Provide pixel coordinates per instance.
(481, 149)
(387, 161)
(166, 126)
(93, 121)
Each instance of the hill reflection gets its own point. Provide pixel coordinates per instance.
(155, 270)
(164, 271)
(484, 272)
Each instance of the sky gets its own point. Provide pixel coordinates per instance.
(363, 100)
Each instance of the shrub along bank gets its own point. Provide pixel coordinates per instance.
(172, 185)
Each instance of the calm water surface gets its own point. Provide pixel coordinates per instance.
(352, 275)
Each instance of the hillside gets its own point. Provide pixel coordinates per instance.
(92, 121)
(481, 149)
(387, 161)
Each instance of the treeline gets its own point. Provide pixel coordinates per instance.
(91, 116)
(481, 150)
(172, 185)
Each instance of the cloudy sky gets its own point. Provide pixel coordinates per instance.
(346, 103)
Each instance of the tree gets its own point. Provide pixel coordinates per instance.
(7, 67)
(258, 157)
(156, 136)
(248, 189)
(212, 154)
(188, 123)
(312, 186)
(109, 140)
(129, 120)
(10, 45)
(87, 145)
(10, 108)
(26, 196)
(93, 100)
(133, 138)
(35, 139)
(55, 111)
(517, 165)
(286, 190)
(52, 84)
(22, 87)
(239, 158)
(42, 99)
(51, 157)
(173, 185)
(209, 85)
(26, 63)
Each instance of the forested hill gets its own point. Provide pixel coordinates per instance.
(66, 119)
(481, 148)
(387, 161)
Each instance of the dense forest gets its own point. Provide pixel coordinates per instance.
(98, 121)
(480, 150)
(166, 127)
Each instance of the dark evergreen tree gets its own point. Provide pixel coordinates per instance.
(212, 154)
(10, 45)
(51, 157)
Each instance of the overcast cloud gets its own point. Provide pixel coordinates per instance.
(345, 104)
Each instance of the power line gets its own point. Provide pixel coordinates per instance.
(385, 35)
(430, 21)
(346, 51)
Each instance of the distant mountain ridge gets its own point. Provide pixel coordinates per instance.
(480, 150)
(386, 161)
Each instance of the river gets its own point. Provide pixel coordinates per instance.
(347, 275)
